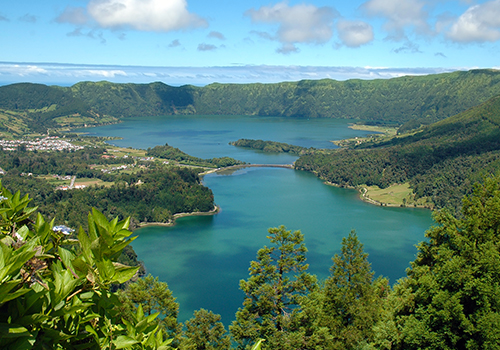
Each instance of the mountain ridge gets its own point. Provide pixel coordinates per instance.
(409, 101)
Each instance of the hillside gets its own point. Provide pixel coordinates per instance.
(30, 107)
(440, 161)
(409, 101)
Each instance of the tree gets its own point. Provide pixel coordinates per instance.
(451, 297)
(352, 299)
(205, 331)
(277, 281)
(154, 297)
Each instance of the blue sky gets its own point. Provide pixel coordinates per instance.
(200, 41)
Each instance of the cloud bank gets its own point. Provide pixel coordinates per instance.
(69, 74)
(301, 23)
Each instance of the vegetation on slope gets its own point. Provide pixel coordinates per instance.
(441, 161)
(169, 152)
(41, 107)
(407, 101)
(149, 193)
(56, 288)
(270, 146)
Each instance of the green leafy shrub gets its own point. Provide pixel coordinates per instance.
(55, 285)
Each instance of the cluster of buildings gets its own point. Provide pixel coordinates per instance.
(115, 168)
(49, 143)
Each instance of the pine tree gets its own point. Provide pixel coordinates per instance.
(277, 281)
(205, 331)
(451, 297)
(153, 296)
(352, 299)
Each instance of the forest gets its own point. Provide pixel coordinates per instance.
(270, 146)
(172, 153)
(441, 161)
(58, 286)
(153, 193)
(408, 102)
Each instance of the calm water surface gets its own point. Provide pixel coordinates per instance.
(209, 136)
(204, 258)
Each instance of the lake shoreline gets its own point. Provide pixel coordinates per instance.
(363, 196)
(171, 223)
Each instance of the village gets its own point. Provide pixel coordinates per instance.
(49, 143)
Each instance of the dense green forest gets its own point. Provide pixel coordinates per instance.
(409, 101)
(169, 152)
(440, 161)
(270, 146)
(56, 288)
(153, 193)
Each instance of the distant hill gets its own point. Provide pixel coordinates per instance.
(441, 161)
(409, 101)
(30, 107)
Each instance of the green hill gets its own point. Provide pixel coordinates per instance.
(409, 101)
(440, 161)
(37, 107)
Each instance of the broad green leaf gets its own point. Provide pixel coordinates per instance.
(12, 330)
(122, 341)
(106, 270)
(85, 244)
(123, 274)
(5, 289)
(66, 257)
(23, 232)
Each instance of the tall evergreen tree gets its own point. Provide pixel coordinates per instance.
(352, 300)
(204, 331)
(452, 292)
(277, 281)
(153, 296)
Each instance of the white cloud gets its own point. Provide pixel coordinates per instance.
(144, 15)
(354, 33)
(67, 74)
(287, 49)
(399, 15)
(297, 24)
(74, 15)
(206, 47)
(103, 73)
(480, 23)
(216, 35)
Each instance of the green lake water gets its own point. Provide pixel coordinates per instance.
(204, 258)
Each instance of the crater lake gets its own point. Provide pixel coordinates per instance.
(203, 258)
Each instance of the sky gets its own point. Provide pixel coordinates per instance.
(238, 41)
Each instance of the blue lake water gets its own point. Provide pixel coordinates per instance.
(204, 258)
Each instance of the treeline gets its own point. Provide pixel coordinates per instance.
(80, 163)
(440, 162)
(169, 152)
(449, 299)
(152, 194)
(408, 101)
(270, 146)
